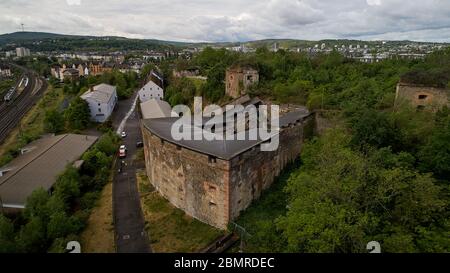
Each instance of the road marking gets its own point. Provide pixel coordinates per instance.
(124, 120)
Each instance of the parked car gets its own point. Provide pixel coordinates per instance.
(120, 166)
(122, 151)
(123, 135)
(139, 144)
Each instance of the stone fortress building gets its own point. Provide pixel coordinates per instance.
(213, 181)
(422, 97)
(239, 79)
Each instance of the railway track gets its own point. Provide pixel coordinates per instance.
(12, 113)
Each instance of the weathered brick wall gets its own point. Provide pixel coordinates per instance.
(233, 80)
(429, 97)
(254, 171)
(188, 180)
(237, 81)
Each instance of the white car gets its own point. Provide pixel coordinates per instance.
(123, 134)
(122, 151)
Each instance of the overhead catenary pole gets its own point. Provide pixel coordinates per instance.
(242, 233)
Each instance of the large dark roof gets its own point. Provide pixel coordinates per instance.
(39, 167)
(224, 149)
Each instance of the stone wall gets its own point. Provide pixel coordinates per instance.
(254, 171)
(215, 191)
(188, 180)
(239, 80)
(232, 84)
(422, 96)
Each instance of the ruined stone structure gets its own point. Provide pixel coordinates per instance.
(239, 79)
(214, 181)
(422, 97)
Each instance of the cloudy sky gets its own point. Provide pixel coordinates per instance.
(233, 20)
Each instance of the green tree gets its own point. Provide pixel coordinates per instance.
(36, 205)
(95, 160)
(77, 115)
(181, 91)
(67, 185)
(434, 156)
(374, 128)
(324, 213)
(7, 236)
(340, 199)
(145, 71)
(32, 237)
(53, 121)
(214, 88)
(60, 225)
(108, 143)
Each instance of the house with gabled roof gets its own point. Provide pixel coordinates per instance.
(102, 100)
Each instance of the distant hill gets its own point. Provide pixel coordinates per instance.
(18, 37)
(42, 41)
(52, 41)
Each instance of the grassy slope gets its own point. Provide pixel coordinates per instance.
(98, 237)
(32, 125)
(170, 229)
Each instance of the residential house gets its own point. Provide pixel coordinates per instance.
(55, 71)
(98, 68)
(83, 70)
(71, 74)
(22, 52)
(101, 100)
(95, 68)
(5, 71)
(153, 89)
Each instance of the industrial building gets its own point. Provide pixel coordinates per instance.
(213, 181)
(38, 166)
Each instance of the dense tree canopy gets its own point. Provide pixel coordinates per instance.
(340, 199)
(54, 121)
(78, 114)
(382, 174)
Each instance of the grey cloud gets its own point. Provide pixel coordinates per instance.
(234, 20)
(294, 12)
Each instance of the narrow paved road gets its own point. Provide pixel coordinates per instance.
(129, 223)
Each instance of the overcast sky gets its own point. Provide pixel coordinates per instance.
(233, 20)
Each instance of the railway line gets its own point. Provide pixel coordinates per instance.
(12, 111)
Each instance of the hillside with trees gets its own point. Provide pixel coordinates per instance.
(381, 173)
